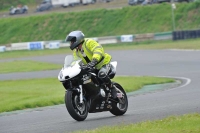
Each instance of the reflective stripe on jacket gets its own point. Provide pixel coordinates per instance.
(93, 50)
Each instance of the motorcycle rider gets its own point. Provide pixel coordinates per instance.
(92, 55)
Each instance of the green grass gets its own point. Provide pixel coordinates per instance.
(174, 124)
(32, 93)
(23, 94)
(168, 44)
(100, 22)
(26, 66)
(28, 53)
(184, 44)
(135, 83)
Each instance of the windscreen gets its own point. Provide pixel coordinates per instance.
(70, 61)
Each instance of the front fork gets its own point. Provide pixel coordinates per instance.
(81, 93)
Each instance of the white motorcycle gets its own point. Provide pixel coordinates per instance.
(86, 93)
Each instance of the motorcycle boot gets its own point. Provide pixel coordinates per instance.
(102, 74)
(113, 91)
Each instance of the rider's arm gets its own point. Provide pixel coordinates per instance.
(96, 49)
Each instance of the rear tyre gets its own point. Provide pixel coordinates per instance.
(119, 108)
(77, 110)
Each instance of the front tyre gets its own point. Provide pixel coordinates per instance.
(120, 107)
(77, 110)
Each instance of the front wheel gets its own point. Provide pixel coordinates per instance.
(77, 110)
(120, 107)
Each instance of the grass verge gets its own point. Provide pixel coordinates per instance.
(23, 94)
(29, 53)
(174, 124)
(151, 44)
(26, 66)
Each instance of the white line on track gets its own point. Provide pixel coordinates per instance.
(184, 50)
(188, 81)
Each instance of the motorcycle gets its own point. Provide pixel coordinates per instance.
(86, 93)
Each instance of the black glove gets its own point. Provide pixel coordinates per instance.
(90, 65)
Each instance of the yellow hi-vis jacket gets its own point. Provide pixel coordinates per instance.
(92, 50)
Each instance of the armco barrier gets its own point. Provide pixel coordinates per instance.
(2, 48)
(64, 44)
(54, 45)
(163, 36)
(107, 40)
(19, 46)
(144, 37)
(94, 38)
(118, 38)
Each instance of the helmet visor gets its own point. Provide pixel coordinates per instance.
(70, 38)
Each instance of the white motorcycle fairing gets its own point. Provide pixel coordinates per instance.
(69, 71)
(114, 64)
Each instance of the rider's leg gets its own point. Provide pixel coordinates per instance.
(103, 75)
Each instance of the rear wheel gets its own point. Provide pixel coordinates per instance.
(120, 107)
(77, 110)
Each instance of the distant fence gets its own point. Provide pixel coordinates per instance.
(55, 44)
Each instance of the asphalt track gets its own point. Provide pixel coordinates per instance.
(180, 100)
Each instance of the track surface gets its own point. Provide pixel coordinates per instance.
(150, 106)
